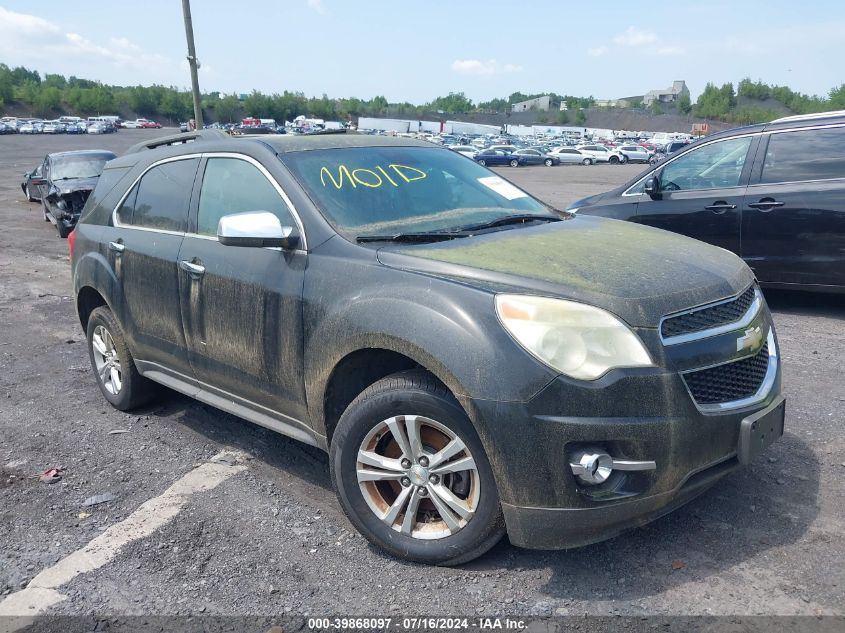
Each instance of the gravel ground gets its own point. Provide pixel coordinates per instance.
(272, 539)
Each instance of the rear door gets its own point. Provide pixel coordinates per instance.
(701, 193)
(793, 228)
(242, 306)
(144, 243)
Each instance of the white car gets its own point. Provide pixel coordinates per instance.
(467, 150)
(574, 156)
(631, 154)
(131, 125)
(599, 153)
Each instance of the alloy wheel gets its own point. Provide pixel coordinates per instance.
(106, 360)
(418, 477)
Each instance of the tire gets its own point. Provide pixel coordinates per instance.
(62, 229)
(131, 389)
(514, 163)
(548, 162)
(587, 161)
(406, 397)
(623, 160)
(482, 162)
(613, 160)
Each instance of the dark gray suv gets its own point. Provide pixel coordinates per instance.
(473, 361)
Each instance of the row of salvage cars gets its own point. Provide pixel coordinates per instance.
(62, 184)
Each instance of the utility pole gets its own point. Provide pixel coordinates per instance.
(192, 62)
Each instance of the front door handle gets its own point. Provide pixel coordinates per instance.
(117, 247)
(720, 206)
(766, 204)
(193, 269)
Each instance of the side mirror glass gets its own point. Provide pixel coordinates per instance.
(256, 229)
(652, 186)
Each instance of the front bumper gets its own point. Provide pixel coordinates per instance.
(636, 414)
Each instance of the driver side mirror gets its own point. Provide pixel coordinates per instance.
(652, 187)
(256, 229)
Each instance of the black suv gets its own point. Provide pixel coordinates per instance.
(773, 194)
(472, 360)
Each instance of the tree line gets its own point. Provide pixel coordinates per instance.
(52, 94)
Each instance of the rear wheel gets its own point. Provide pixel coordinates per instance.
(548, 162)
(613, 160)
(412, 475)
(482, 162)
(587, 161)
(514, 163)
(118, 378)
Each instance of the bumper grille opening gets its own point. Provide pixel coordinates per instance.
(731, 381)
(707, 318)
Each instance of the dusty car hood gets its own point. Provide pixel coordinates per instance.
(636, 272)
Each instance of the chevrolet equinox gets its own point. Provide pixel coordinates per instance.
(474, 361)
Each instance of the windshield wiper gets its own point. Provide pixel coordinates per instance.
(510, 219)
(434, 236)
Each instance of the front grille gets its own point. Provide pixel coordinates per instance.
(709, 317)
(731, 381)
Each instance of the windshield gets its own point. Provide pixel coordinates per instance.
(79, 166)
(392, 190)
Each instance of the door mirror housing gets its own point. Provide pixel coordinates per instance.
(652, 186)
(256, 229)
(37, 182)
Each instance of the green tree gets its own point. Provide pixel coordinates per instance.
(48, 99)
(684, 104)
(562, 117)
(580, 118)
(654, 107)
(454, 103)
(494, 105)
(227, 108)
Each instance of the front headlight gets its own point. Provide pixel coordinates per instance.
(573, 338)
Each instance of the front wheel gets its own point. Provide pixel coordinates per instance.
(613, 160)
(514, 163)
(548, 162)
(412, 475)
(586, 161)
(482, 162)
(29, 194)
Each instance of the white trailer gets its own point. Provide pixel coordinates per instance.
(401, 126)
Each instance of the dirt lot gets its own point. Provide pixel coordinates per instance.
(261, 532)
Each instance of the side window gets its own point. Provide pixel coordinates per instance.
(160, 199)
(231, 185)
(805, 155)
(713, 166)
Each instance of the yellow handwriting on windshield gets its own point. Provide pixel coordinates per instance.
(371, 178)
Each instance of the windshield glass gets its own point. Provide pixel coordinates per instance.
(79, 166)
(392, 190)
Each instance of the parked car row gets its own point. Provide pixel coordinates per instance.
(71, 125)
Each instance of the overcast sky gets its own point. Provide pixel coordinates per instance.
(409, 50)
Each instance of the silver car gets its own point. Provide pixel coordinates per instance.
(631, 154)
(570, 155)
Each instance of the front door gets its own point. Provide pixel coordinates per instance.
(242, 306)
(143, 246)
(793, 228)
(701, 193)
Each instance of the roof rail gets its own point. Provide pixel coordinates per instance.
(179, 139)
(810, 117)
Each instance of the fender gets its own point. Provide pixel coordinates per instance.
(98, 274)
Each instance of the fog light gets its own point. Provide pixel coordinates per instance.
(591, 466)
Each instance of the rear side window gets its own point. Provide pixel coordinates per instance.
(160, 199)
(231, 185)
(805, 155)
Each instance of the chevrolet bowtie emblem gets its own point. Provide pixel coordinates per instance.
(752, 340)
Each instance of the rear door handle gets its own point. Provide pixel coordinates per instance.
(193, 269)
(117, 247)
(720, 207)
(765, 205)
